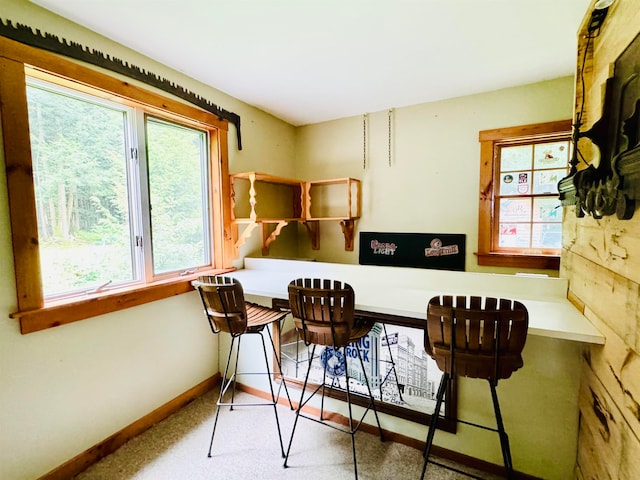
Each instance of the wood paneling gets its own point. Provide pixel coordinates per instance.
(601, 258)
(608, 447)
(616, 368)
(611, 297)
(609, 242)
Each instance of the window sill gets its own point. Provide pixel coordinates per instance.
(61, 313)
(544, 262)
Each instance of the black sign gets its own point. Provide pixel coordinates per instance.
(444, 251)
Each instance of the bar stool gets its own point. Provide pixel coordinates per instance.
(227, 311)
(323, 313)
(475, 338)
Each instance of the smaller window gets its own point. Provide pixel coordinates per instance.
(520, 219)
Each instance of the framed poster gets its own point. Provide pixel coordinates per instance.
(403, 379)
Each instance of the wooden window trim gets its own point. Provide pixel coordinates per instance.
(55, 314)
(486, 254)
(32, 312)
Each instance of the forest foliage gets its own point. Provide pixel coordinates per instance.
(88, 200)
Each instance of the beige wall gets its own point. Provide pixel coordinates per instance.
(432, 183)
(432, 186)
(65, 389)
(601, 258)
(109, 371)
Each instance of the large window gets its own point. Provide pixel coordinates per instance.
(520, 215)
(118, 196)
(179, 195)
(93, 209)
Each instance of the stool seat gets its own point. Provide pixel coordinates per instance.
(323, 314)
(475, 337)
(227, 311)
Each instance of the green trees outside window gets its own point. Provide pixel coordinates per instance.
(178, 192)
(120, 197)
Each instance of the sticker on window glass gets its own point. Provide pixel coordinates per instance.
(547, 210)
(514, 235)
(508, 186)
(551, 155)
(523, 182)
(547, 235)
(516, 158)
(515, 209)
(546, 181)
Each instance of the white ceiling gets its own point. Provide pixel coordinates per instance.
(307, 61)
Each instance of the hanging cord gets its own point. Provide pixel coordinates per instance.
(365, 119)
(389, 117)
(575, 134)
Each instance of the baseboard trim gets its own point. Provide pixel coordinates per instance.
(109, 445)
(462, 459)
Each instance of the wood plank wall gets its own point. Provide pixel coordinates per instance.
(601, 258)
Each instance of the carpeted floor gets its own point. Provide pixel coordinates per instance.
(246, 447)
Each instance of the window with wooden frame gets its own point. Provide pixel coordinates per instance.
(87, 156)
(520, 218)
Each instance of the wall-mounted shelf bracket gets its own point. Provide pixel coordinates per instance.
(246, 233)
(269, 236)
(313, 229)
(347, 226)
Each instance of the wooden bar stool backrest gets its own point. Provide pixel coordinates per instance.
(223, 300)
(323, 311)
(476, 337)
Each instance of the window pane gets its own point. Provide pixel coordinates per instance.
(79, 162)
(547, 235)
(515, 183)
(516, 158)
(177, 163)
(515, 210)
(551, 155)
(546, 181)
(547, 209)
(514, 235)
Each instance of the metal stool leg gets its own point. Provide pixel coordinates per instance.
(324, 384)
(504, 438)
(223, 388)
(235, 369)
(273, 395)
(282, 381)
(371, 399)
(300, 405)
(351, 430)
(444, 382)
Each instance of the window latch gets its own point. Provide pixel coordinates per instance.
(100, 288)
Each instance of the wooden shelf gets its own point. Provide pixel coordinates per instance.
(286, 200)
(336, 199)
(283, 197)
